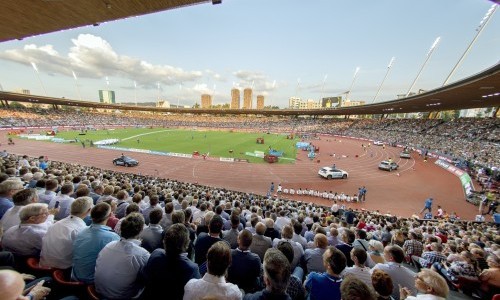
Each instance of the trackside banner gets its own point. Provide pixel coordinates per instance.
(464, 177)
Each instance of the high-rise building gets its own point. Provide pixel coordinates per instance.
(260, 102)
(294, 103)
(247, 98)
(235, 98)
(107, 96)
(297, 103)
(206, 101)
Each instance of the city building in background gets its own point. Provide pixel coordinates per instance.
(206, 101)
(353, 103)
(331, 102)
(260, 102)
(107, 96)
(247, 98)
(297, 103)
(235, 98)
(22, 91)
(163, 104)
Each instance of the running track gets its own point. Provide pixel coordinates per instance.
(402, 195)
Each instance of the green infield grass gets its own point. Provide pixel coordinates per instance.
(215, 143)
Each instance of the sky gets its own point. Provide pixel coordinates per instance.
(279, 48)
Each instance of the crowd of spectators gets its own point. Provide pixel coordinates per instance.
(130, 236)
(471, 142)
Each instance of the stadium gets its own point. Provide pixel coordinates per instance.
(230, 176)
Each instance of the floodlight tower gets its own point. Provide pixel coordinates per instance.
(429, 54)
(76, 85)
(385, 77)
(486, 19)
(323, 87)
(38, 76)
(348, 93)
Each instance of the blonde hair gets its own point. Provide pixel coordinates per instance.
(30, 210)
(435, 281)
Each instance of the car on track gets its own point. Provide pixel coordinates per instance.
(388, 166)
(405, 154)
(330, 173)
(378, 143)
(125, 161)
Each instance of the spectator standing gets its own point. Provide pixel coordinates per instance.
(427, 205)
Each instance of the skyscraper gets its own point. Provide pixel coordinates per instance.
(260, 101)
(206, 101)
(235, 98)
(107, 96)
(247, 98)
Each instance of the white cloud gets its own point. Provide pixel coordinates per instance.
(260, 82)
(93, 57)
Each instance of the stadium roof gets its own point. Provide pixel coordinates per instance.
(480, 90)
(24, 18)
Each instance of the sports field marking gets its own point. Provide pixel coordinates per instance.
(142, 134)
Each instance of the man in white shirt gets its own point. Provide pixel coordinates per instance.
(57, 244)
(282, 220)
(401, 276)
(49, 193)
(119, 262)
(20, 199)
(26, 239)
(213, 285)
(358, 270)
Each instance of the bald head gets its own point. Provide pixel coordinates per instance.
(11, 285)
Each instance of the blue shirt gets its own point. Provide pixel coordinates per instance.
(86, 247)
(428, 203)
(323, 286)
(5, 204)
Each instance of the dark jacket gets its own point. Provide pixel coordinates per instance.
(163, 274)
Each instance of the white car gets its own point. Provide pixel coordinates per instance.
(378, 143)
(388, 166)
(405, 154)
(329, 173)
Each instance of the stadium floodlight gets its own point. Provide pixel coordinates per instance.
(486, 19)
(76, 85)
(348, 94)
(323, 87)
(135, 92)
(385, 77)
(428, 56)
(38, 76)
